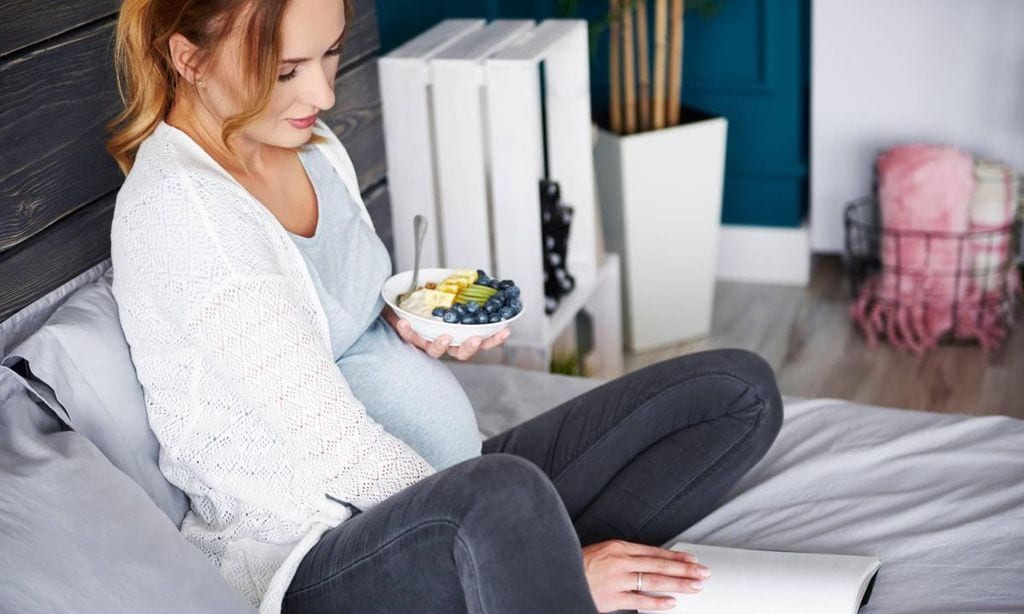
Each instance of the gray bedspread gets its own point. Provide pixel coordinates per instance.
(938, 497)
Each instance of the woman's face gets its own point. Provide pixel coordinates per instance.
(310, 38)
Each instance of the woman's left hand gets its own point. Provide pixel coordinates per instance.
(613, 569)
(439, 346)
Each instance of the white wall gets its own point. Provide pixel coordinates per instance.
(885, 72)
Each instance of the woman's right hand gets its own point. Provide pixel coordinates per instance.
(611, 568)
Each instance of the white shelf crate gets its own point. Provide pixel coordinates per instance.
(462, 164)
(408, 141)
(466, 116)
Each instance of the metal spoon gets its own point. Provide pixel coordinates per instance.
(419, 228)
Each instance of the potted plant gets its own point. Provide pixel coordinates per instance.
(660, 170)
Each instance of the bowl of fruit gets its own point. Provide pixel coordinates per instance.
(461, 303)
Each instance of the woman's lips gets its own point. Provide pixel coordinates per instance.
(303, 123)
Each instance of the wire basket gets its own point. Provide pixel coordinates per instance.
(918, 288)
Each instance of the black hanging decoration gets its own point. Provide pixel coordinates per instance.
(556, 219)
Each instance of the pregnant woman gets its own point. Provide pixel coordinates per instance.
(332, 462)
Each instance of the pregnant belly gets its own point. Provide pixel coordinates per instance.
(413, 396)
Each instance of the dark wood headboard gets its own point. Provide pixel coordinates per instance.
(57, 92)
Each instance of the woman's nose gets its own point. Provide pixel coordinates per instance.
(320, 91)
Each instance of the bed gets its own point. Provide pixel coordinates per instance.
(86, 525)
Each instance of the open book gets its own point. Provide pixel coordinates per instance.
(770, 582)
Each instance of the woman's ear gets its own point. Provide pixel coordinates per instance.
(183, 52)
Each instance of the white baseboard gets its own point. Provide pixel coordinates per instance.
(763, 254)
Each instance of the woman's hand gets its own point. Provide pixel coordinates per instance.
(611, 568)
(439, 346)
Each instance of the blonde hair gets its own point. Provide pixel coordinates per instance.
(148, 81)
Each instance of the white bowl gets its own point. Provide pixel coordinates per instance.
(431, 328)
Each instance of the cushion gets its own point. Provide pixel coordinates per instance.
(78, 535)
(16, 328)
(81, 354)
(505, 396)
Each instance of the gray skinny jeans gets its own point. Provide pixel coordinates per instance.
(640, 458)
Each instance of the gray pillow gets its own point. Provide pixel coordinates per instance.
(80, 536)
(81, 354)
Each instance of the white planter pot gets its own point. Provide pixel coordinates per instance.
(661, 202)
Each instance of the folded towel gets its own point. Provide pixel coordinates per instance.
(993, 208)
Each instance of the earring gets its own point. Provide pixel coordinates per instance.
(199, 82)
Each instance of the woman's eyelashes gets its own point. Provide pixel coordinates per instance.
(288, 76)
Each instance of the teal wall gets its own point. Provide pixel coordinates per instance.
(401, 20)
(749, 63)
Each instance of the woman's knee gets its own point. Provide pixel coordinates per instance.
(500, 480)
(758, 374)
(754, 376)
(748, 366)
(508, 495)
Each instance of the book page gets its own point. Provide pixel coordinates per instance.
(769, 582)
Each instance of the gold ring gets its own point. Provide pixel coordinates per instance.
(639, 581)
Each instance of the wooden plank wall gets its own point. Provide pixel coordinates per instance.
(58, 184)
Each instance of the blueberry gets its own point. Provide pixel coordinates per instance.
(472, 307)
(495, 283)
(450, 316)
(494, 318)
(492, 305)
(516, 305)
(468, 319)
(506, 312)
(459, 309)
(438, 312)
(501, 295)
(482, 317)
(506, 283)
(513, 291)
(482, 274)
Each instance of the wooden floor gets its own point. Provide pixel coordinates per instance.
(816, 351)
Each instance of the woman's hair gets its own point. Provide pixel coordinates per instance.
(148, 81)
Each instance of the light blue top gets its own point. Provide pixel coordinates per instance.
(413, 396)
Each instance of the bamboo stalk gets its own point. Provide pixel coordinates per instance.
(675, 76)
(643, 65)
(660, 51)
(628, 67)
(615, 84)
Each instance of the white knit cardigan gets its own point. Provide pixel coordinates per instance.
(231, 345)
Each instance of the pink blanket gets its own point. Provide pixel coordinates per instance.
(935, 279)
